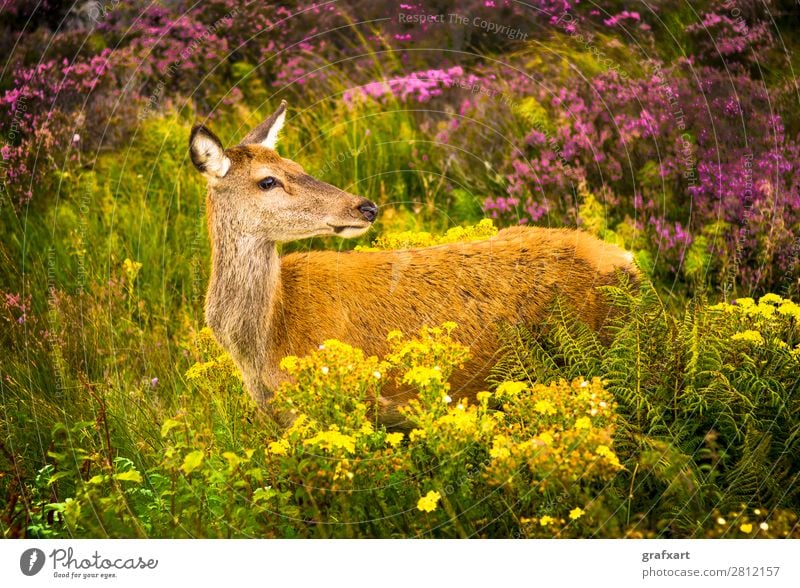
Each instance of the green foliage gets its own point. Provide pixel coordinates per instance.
(536, 469)
(122, 417)
(677, 422)
(709, 400)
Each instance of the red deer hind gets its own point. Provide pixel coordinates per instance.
(262, 307)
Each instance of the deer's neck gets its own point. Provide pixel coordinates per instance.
(242, 295)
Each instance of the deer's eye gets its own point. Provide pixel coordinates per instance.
(268, 183)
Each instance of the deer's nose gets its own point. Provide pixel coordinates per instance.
(369, 210)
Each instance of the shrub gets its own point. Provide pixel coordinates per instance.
(708, 400)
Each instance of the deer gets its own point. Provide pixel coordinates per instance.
(261, 306)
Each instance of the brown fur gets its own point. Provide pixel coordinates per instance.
(262, 307)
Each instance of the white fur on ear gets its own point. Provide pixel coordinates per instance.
(271, 140)
(266, 134)
(207, 153)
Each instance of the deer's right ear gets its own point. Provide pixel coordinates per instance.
(207, 153)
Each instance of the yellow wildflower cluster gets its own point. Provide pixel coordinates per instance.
(214, 371)
(544, 407)
(547, 437)
(426, 363)
(748, 522)
(332, 395)
(214, 374)
(433, 348)
(331, 440)
(394, 439)
(749, 336)
(560, 435)
(485, 229)
(550, 526)
(510, 390)
(423, 376)
(501, 447)
(279, 447)
(772, 320)
(768, 306)
(336, 384)
(429, 502)
(222, 367)
(454, 426)
(576, 513)
(131, 270)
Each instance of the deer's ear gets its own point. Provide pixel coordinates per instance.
(267, 132)
(207, 153)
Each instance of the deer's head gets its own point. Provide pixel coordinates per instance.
(257, 193)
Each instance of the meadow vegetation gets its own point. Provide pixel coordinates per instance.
(672, 132)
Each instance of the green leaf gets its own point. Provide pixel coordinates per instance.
(232, 459)
(263, 494)
(192, 461)
(168, 425)
(56, 477)
(129, 476)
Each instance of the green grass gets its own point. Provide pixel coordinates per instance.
(101, 426)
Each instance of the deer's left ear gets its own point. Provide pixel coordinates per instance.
(207, 153)
(267, 132)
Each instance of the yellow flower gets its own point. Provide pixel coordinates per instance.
(745, 302)
(484, 397)
(789, 308)
(764, 526)
(394, 439)
(583, 423)
(546, 437)
(510, 389)
(500, 448)
(300, 424)
(199, 370)
(746, 528)
(280, 447)
(288, 363)
(576, 513)
(332, 439)
(410, 239)
(765, 310)
(605, 452)
(546, 520)
(459, 419)
(395, 334)
(750, 336)
(131, 269)
(770, 299)
(544, 407)
(428, 502)
(417, 434)
(422, 376)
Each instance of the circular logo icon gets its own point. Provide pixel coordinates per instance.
(31, 561)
